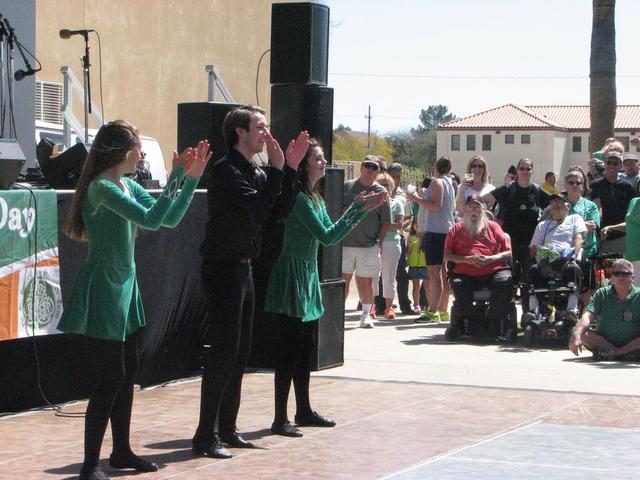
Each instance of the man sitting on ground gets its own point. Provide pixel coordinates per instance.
(481, 252)
(616, 309)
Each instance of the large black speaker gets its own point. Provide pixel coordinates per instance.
(329, 339)
(203, 120)
(330, 258)
(63, 171)
(299, 43)
(302, 107)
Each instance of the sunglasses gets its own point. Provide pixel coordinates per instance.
(528, 169)
(613, 162)
(574, 183)
(621, 274)
(371, 166)
(477, 165)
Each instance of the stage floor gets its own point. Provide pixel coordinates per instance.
(386, 429)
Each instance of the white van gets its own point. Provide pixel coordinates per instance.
(150, 146)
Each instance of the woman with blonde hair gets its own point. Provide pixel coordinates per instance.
(476, 181)
(391, 250)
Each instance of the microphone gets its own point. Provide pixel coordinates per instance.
(64, 33)
(20, 74)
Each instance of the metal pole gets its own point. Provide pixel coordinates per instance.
(211, 82)
(87, 87)
(368, 117)
(67, 105)
(10, 85)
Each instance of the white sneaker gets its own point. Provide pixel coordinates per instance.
(366, 322)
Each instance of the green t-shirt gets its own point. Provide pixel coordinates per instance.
(397, 208)
(588, 211)
(366, 234)
(632, 220)
(618, 320)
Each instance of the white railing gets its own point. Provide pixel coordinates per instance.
(216, 82)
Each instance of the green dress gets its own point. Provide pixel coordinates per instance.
(105, 301)
(294, 285)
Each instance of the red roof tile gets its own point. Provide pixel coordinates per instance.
(557, 117)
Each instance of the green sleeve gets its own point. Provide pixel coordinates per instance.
(633, 212)
(595, 304)
(137, 208)
(315, 222)
(181, 204)
(593, 214)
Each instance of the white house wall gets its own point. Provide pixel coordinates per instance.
(502, 155)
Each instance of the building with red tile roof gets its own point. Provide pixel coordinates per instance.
(555, 137)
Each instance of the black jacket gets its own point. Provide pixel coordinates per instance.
(240, 196)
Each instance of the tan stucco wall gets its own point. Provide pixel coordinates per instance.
(154, 52)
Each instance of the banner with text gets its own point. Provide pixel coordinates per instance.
(30, 297)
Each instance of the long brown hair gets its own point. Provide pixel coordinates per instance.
(303, 176)
(110, 147)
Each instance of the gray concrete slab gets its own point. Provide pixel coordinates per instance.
(539, 451)
(405, 351)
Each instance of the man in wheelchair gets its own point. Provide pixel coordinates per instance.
(615, 312)
(557, 248)
(481, 252)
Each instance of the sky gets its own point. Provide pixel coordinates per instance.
(400, 56)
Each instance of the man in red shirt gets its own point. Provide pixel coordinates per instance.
(481, 251)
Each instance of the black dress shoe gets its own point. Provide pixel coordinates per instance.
(216, 450)
(95, 474)
(285, 429)
(314, 419)
(133, 461)
(234, 439)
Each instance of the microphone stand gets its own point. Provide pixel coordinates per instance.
(86, 77)
(11, 36)
(3, 35)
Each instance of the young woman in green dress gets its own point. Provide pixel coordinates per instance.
(105, 305)
(294, 286)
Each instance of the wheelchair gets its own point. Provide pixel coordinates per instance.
(478, 326)
(551, 320)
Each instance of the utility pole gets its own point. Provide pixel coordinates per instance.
(368, 117)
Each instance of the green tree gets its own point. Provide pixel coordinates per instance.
(349, 146)
(603, 72)
(415, 148)
(433, 116)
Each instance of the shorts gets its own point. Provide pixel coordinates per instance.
(433, 247)
(418, 273)
(364, 261)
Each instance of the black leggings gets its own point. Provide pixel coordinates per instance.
(116, 364)
(296, 339)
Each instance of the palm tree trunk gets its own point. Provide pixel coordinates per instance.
(603, 72)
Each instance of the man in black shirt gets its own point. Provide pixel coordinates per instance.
(521, 203)
(240, 197)
(612, 196)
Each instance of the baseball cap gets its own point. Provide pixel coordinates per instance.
(371, 160)
(555, 196)
(473, 198)
(613, 154)
(629, 156)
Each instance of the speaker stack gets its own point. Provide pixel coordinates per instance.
(203, 120)
(301, 100)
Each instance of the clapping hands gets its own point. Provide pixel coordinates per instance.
(371, 200)
(296, 150)
(193, 160)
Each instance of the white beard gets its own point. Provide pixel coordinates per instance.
(473, 226)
